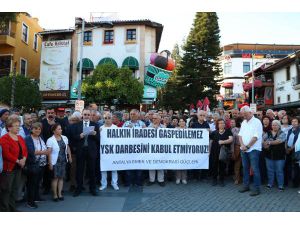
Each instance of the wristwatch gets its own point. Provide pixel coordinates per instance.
(247, 147)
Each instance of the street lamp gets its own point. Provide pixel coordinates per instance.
(106, 24)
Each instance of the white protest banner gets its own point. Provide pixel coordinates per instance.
(79, 105)
(147, 149)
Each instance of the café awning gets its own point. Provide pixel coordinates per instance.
(87, 64)
(131, 62)
(108, 60)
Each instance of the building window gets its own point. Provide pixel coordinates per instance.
(228, 92)
(278, 100)
(23, 65)
(288, 98)
(246, 67)
(108, 37)
(25, 33)
(299, 95)
(227, 68)
(131, 34)
(87, 36)
(5, 65)
(35, 42)
(288, 73)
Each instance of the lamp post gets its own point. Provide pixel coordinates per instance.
(80, 60)
(252, 81)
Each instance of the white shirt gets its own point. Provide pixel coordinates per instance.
(250, 129)
(86, 123)
(290, 141)
(52, 143)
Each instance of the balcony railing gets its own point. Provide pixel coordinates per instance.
(7, 32)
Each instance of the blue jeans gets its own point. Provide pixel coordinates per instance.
(251, 159)
(275, 167)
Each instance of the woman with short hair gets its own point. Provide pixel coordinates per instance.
(35, 164)
(181, 175)
(14, 159)
(274, 145)
(60, 154)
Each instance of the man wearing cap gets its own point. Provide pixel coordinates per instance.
(250, 137)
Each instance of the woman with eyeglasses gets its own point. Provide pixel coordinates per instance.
(36, 162)
(58, 145)
(114, 174)
(14, 159)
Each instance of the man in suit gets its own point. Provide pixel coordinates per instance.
(87, 147)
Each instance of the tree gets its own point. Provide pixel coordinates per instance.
(108, 83)
(199, 69)
(27, 94)
(5, 17)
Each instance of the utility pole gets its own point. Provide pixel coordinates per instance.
(13, 87)
(80, 58)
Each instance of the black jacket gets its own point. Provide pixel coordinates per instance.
(77, 142)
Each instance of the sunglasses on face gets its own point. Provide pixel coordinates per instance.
(107, 118)
(86, 114)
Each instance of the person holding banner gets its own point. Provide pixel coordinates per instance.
(160, 173)
(220, 138)
(181, 175)
(134, 177)
(114, 174)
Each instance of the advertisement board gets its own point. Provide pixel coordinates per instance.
(55, 65)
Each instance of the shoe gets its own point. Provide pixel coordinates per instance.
(254, 193)
(281, 189)
(214, 182)
(40, 200)
(32, 205)
(55, 199)
(221, 183)
(61, 198)
(244, 189)
(93, 192)
(115, 187)
(184, 181)
(102, 188)
(236, 182)
(177, 181)
(269, 186)
(162, 184)
(149, 183)
(76, 193)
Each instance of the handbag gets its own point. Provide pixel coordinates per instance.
(224, 154)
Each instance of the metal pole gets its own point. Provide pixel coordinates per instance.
(252, 81)
(80, 62)
(13, 87)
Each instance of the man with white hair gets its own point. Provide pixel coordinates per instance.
(281, 114)
(270, 114)
(250, 137)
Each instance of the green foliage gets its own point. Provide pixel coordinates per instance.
(5, 17)
(199, 69)
(27, 94)
(108, 83)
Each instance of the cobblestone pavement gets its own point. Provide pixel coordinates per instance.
(195, 197)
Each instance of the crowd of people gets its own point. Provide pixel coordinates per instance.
(41, 151)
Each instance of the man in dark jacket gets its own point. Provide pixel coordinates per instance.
(87, 146)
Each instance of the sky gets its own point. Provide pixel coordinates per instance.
(249, 27)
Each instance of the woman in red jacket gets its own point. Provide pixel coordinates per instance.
(14, 154)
